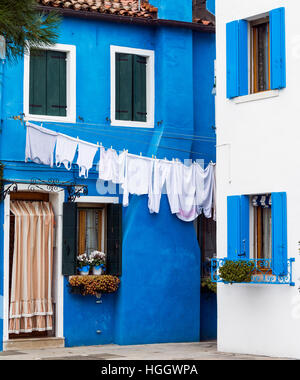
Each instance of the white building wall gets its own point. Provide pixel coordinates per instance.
(263, 157)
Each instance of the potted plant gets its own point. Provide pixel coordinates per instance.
(237, 271)
(84, 263)
(98, 260)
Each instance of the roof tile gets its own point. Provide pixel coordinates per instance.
(116, 7)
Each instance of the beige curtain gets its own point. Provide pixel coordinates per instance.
(31, 298)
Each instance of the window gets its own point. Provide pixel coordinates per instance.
(262, 227)
(91, 227)
(50, 83)
(260, 55)
(268, 217)
(264, 59)
(206, 236)
(88, 228)
(132, 87)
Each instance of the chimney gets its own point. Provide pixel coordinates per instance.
(200, 11)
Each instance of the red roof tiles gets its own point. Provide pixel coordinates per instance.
(115, 7)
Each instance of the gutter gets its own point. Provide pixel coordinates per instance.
(128, 20)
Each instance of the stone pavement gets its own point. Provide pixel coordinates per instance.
(170, 351)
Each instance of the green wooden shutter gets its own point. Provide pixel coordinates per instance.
(56, 83)
(139, 88)
(69, 255)
(114, 239)
(37, 82)
(124, 86)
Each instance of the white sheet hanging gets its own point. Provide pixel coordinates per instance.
(187, 194)
(40, 144)
(65, 150)
(86, 155)
(138, 176)
(112, 165)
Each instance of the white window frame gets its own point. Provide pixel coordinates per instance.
(70, 50)
(150, 85)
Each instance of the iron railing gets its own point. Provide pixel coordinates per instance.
(262, 273)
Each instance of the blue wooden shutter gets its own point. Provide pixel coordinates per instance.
(277, 42)
(233, 227)
(238, 227)
(243, 58)
(232, 59)
(279, 234)
(237, 58)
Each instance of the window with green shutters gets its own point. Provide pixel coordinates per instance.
(48, 83)
(131, 87)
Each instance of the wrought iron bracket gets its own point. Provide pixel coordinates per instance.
(4, 192)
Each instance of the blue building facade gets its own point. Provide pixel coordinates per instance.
(159, 297)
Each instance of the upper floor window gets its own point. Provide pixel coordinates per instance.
(50, 84)
(260, 55)
(132, 87)
(260, 66)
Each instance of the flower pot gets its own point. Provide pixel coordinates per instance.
(97, 270)
(84, 271)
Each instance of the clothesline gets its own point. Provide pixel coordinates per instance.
(105, 127)
(190, 189)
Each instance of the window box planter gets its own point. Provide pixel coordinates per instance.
(93, 285)
(260, 272)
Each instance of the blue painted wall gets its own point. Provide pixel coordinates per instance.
(159, 297)
(211, 6)
(177, 10)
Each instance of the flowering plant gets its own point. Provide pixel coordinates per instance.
(97, 258)
(83, 260)
(91, 285)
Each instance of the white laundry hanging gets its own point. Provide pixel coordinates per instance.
(86, 155)
(65, 150)
(138, 176)
(40, 144)
(187, 194)
(112, 165)
(205, 183)
(161, 172)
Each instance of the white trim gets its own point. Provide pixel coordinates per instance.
(149, 54)
(97, 199)
(58, 279)
(71, 86)
(256, 96)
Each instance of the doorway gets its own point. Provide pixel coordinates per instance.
(56, 201)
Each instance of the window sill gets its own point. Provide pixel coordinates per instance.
(255, 97)
(57, 119)
(131, 124)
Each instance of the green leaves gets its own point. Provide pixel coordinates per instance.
(237, 271)
(23, 26)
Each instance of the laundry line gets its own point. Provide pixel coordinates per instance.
(141, 131)
(138, 141)
(190, 188)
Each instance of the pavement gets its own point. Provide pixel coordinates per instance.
(169, 351)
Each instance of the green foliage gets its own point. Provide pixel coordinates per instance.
(208, 286)
(237, 271)
(23, 26)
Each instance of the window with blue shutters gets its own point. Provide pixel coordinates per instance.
(262, 53)
(266, 217)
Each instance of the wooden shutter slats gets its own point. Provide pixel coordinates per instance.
(139, 89)
(47, 91)
(114, 239)
(123, 86)
(69, 255)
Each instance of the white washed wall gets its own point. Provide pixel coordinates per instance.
(263, 156)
